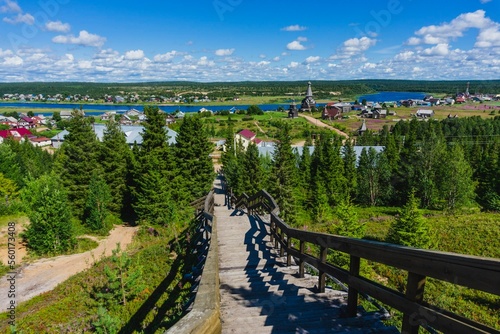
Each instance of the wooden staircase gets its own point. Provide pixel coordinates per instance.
(260, 294)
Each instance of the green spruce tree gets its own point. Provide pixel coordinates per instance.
(97, 206)
(46, 202)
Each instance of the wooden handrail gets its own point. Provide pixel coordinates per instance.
(204, 317)
(470, 271)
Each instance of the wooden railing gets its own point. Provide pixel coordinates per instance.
(204, 317)
(469, 271)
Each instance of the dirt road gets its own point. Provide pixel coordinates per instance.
(45, 274)
(320, 124)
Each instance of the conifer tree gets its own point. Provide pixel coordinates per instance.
(152, 188)
(349, 158)
(456, 183)
(253, 173)
(410, 228)
(114, 157)
(97, 205)
(77, 160)
(283, 178)
(50, 230)
(192, 155)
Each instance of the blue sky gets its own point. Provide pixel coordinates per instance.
(238, 40)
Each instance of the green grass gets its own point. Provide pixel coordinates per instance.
(72, 306)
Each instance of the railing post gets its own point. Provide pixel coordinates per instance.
(415, 293)
(322, 274)
(301, 261)
(282, 237)
(272, 228)
(352, 294)
(288, 247)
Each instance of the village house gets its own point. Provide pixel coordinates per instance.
(246, 137)
(293, 112)
(424, 113)
(40, 141)
(17, 134)
(108, 115)
(331, 112)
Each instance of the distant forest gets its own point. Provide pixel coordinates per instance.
(321, 89)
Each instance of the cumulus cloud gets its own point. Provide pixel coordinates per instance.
(294, 27)
(297, 44)
(84, 38)
(437, 50)
(204, 61)
(20, 18)
(489, 31)
(224, 52)
(166, 57)
(312, 59)
(10, 7)
(134, 55)
(358, 45)
(57, 26)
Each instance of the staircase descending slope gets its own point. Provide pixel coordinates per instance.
(260, 294)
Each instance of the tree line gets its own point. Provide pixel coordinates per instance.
(443, 165)
(96, 184)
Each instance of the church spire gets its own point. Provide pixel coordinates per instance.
(309, 92)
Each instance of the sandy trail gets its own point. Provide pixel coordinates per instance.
(320, 124)
(45, 274)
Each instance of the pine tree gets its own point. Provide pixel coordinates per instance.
(152, 191)
(114, 158)
(50, 230)
(456, 183)
(192, 155)
(253, 173)
(349, 158)
(284, 177)
(97, 206)
(410, 228)
(77, 160)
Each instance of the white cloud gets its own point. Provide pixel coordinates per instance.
(277, 58)
(20, 18)
(5, 53)
(294, 27)
(312, 59)
(404, 56)
(295, 46)
(134, 55)
(10, 7)
(489, 30)
(166, 57)
(293, 64)
(302, 39)
(204, 61)
(13, 61)
(358, 45)
(57, 26)
(224, 52)
(489, 37)
(84, 38)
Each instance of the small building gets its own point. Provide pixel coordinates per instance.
(40, 141)
(246, 137)
(108, 115)
(424, 113)
(293, 112)
(308, 103)
(332, 112)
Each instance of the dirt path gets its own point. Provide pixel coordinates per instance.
(45, 274)
(320, 124)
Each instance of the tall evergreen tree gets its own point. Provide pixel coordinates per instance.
(97, 205)
(284, 178)
(50, 230)
(253, 173)
(410, 228)
(77, 160)
(456, 183)
(350, 173)
(192, 155)
(114, 158)
(154, 170)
